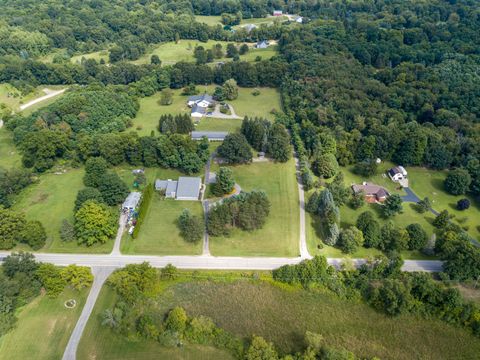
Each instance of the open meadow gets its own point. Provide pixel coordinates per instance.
(99, 342)
(43, 327)
(279, 236)
(50, 200)
(281, 314)
(9, 154)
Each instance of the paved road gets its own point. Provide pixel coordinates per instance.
(118, 239)
(301, 196)
(101, 274)
(42, 98)
(204, 262)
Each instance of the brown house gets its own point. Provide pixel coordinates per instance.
(373, 193)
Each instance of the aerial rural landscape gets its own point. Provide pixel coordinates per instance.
(251, 180)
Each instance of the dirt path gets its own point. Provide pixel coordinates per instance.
(304, 254)
(118, 239)
(49, 94)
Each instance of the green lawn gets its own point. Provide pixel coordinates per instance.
(150, 111)
(211, 124)
(97, 55)
(51, 200)
(13, 98)
(171, 52)
(9, 155)
(209, 20)
(99, 342)
(279, 236)
(159, 234)
(43, 328)
(348, 217)
(283, 315)
(425, 182)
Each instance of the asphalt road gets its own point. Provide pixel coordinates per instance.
(205, 262)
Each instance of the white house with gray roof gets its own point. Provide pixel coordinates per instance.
(186, 188)
(203, 100)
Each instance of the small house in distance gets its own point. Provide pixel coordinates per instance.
(397, 173)
(203, 100)
(210, 135)
(186, 188)
(132, 201)
(373, 193)
(262, 44)
(277, 12)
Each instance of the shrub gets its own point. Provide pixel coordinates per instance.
(463, 204)
(143, 209)
(191, 227)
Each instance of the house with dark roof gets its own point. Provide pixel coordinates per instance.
(186, 188)
(397, 173)
(210, 135)
(373, 193)
(203, 100)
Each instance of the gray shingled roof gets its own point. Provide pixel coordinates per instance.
(188, 187)
(370, 189)
(198, 98)
(199, 109)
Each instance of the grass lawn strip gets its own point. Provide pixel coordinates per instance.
(279, 236)
(44, 327)
(9, 155)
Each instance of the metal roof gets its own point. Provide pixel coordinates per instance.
(172, 186)
(220, 135)
(198, 98)
(188, 187)
(132, 200)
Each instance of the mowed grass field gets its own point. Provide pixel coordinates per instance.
(99, 342)
(280, 235)
(97, 55)
(171, 52)
(43, 328)
(9, 154)
(50, 200)
(282, 315)
(425, 182)
(246, 104)
(13, 98)
(159, 234)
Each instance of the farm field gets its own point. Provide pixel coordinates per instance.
(150, 111)
(159, 234)
(43, 328)
(9, 155)
(99, 342)
(279, 236)
(51, 200)
(171, 52)
(283, 314)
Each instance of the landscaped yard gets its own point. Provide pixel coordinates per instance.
(281, 315)
(150, 111)
(9, 155)
(425, 182)
(99, 342)
(44, 327)
(348, 217)
(280, 235)
(50, 201)
(159, 234)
